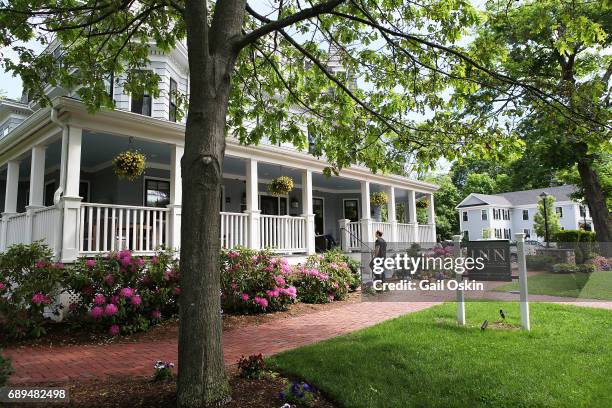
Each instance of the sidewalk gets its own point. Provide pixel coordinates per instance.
(84, 362)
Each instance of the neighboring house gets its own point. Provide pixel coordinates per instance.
(57, 181)
(499, 216)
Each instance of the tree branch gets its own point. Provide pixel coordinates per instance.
(275, 25)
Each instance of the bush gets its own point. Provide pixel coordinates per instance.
(539, 262)
(564, 268)
(574, 236)
(255, 281)
(29, 284)
(122, 293)
(5, 370)
(336, 263)
(320, 280)
(600, 263)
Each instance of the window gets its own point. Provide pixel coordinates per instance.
(157, 193)
(498, 233)
(525, 215)
(141, 103)
(351, 210)
(506, 214)
(483, 214)
(466, 235)
(465, 216)
(486, 233)
(527, 232)
(583, 211)
(172, 100)
(496, 214)
(559, 211)
(506, 233)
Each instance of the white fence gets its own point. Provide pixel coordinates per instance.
(283, 233)
(108, 227)
(234, 229)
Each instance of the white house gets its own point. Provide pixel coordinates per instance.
(57, 181)
(498, 216)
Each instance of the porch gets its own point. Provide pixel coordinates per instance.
(61, 189)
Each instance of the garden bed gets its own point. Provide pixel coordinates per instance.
(66, 334)
(142, 392)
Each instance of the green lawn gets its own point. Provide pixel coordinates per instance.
(597, 285)
(425, 360)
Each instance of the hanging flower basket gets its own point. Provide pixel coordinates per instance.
(379, 198)
(129, 165)
(281, 186)
(422, 203)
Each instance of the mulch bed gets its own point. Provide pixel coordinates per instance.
(143, 392)
(65, 333)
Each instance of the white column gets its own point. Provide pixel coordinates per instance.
(70, 202)
(176, 197)
(10, 198)
(71, 160)
(412, 216)
(37, 177)
(252, 202)
(345, 235)
(367, 234)
(391, 213)
(307, 210)
(12, 186)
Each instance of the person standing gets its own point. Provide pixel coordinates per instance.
(380, 252)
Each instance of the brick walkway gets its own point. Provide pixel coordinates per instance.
(82, 362)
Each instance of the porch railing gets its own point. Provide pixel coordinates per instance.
(406, 232)
(234, 229)
(426, 233)
(109, 227)
(16, 226)
(354, 236)
(283, 233)
(45, 225)
(384, 227)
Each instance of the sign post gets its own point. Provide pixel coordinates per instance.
(460, 296)
(522, 270)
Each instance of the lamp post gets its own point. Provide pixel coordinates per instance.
(544, 195)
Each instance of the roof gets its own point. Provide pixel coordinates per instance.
(516, 198)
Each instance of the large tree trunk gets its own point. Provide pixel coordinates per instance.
(596, 201)
(202, 379)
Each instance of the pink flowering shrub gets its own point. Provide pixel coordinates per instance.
(29, 286)
(121, 293)
(255, 281)
(601, 263)
(325, 278)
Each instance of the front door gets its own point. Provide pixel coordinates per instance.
(272, 205)
(317, 208)
(351, 210)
